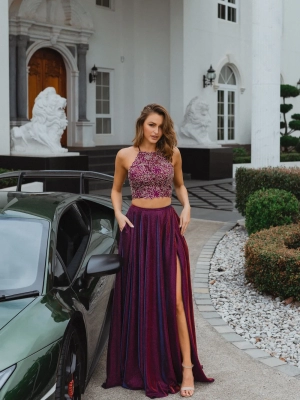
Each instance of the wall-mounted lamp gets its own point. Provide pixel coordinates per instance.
(298, 84)
(93, 74)
(209, 77)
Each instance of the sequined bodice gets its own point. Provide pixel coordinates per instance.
(151, 175)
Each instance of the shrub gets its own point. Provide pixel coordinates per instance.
(287, 91)
(287, 141)
(273, 261)
(241, 156)
(297, 147)
(240, 152)
(242, 160)
(249, 180)
(289, 157)
(270, 207)
(4, 183)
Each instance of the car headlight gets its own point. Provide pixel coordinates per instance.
(5, 374)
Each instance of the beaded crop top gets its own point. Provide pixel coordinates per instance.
(150, 176)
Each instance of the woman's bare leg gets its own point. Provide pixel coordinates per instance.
(184, 339)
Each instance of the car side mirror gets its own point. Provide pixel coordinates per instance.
(103, 264)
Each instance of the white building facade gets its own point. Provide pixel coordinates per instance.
(145, 51)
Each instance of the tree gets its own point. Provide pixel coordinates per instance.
(287, 91)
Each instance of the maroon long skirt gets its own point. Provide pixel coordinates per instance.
(143, 350)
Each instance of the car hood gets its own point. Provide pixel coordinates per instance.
(35, 325)
(10, 309)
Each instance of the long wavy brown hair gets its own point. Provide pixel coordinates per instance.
(168, 140)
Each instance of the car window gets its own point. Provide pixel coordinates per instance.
(60, 275)
(103, 231)
(73, 237)
(23, 247)
(102, 219)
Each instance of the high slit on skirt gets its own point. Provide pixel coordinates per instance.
(143, 349)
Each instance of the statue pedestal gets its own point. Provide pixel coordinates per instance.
(207, 163)
(69, 162)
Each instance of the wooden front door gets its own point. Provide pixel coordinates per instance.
(46, 68)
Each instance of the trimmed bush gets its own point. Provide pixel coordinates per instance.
(242, 160)
(241, 155)
(273, 261)
(286, 141)
(289, 157)
(4, 183)
(297, 147)
(270, 207)
(287, 91)
(249, 180)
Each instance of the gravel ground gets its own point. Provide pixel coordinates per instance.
(266, 322)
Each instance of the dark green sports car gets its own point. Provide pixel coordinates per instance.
(57, 266)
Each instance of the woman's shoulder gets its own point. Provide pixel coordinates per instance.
(126, 151)
(176, 152)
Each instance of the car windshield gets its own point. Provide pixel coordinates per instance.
(23, 245)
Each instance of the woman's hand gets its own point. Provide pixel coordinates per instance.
(185, 218)
(122, 221)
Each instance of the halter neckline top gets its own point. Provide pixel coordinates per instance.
(150, 175)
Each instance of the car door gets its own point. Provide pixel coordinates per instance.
(85, 230)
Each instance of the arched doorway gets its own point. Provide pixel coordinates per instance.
(227, 105)
(46, 68)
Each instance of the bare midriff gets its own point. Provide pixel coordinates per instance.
(157, 202)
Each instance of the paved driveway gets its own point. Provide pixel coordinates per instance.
(237, 375)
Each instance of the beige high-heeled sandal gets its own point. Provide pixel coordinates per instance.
(187, 387)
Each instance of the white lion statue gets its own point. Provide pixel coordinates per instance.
(195, 126)
(42, 134)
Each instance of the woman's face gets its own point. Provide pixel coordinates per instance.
(153, 128)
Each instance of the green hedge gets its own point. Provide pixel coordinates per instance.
(270, 207)
(249, 180)
(284, 157)
(289, 157)
(242, 160)
(4, 183)
(273, 261)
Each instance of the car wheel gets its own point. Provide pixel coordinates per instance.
(70, 369)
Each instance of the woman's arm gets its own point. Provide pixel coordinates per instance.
(116, 192)
(181, 191)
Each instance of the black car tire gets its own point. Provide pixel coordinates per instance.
(70, 368)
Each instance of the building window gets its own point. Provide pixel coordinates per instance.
(103, 102)
(227, 10)
(104, 3)
(226, 104)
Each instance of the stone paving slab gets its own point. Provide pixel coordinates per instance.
(244, 344)
(256, 353)
(216, 321)
(231, 337)
(289, 369)
(210, 315)
(206, 308)
(201, 295)
(200, 284)
(224, 329)
(201, 290)
(272, 361)
(203, 302)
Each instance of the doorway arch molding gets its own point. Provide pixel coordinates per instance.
(61, 25)
(230, 60)
(72, 81)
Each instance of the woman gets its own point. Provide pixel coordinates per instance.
(152, 343)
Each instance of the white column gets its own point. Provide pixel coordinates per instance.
(4, 81)
(266, 48)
